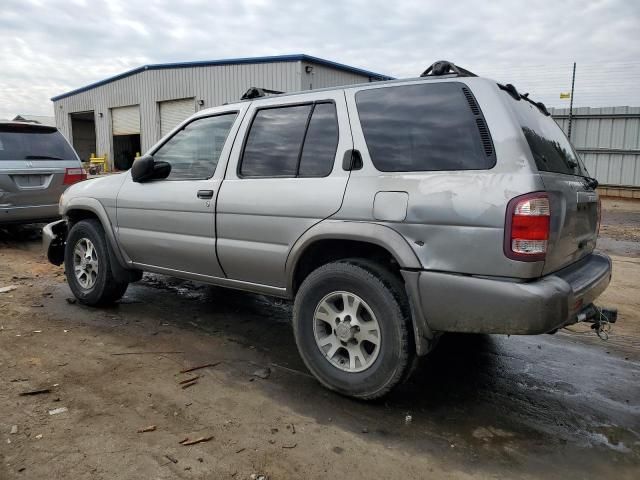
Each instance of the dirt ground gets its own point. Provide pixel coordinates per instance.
(553, 406)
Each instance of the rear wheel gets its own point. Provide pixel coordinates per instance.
(352, 327)
(88, 267)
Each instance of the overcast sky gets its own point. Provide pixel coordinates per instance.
(48, 47)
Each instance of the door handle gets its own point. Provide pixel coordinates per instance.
(205, 194)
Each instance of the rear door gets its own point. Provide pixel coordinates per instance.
(33, 161)
(284, 176)
(573, 203)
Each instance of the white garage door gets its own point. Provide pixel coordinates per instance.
(126, 120)
(175, 111)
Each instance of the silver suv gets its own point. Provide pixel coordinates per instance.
(390, 212)
(36, 165)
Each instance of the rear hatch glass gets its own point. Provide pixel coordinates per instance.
(33, 142)
(573, 202)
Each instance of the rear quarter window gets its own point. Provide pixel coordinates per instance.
(424, 127)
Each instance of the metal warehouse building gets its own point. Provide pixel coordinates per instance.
(126, 114)
(608, 140)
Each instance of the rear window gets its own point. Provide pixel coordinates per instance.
(549, 146)
(25, 142)
(424, 127)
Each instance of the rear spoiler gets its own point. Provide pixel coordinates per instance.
(26, 127)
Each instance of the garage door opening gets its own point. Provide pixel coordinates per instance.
(125, 148)
(83, 134)
(126, 135)
(173, 112)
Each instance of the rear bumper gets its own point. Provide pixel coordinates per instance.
(458, 303)
(29, 214)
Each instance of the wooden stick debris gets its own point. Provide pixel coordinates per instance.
(197, 440)
(186, 439)
(36, 392)
(187, 370)
(143, 353)
(189, 380)
(150, 428)
(187, 385)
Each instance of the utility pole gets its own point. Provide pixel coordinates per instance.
(573, 81)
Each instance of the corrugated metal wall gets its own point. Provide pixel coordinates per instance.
(213, 84)
(608, 140)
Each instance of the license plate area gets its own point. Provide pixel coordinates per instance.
(31, 181)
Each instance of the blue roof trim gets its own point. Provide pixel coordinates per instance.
(231, 61)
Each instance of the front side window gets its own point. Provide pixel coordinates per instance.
(293, 141)
(423, 127)
(194, 151)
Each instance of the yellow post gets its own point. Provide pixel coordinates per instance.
(101, 162)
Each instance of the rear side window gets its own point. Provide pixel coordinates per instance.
(299, 140)
(424, 127)
(25, 142)
(320, 143)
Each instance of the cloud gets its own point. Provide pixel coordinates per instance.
(50, 47)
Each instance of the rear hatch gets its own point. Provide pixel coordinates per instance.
(33, 162)
(572, 198)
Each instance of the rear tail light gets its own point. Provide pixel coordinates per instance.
(74, 175)
(527, 227)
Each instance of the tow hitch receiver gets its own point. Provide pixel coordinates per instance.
(600, 318)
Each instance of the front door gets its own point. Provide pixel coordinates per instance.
(169, 225)
(283, 177)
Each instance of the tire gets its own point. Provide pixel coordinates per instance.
(380, 367)
(96, 285)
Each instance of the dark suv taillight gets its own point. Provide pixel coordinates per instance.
(527, 227)
(74, 175)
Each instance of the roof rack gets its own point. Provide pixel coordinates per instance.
(444, 67)
(257, 92)
(513, 91)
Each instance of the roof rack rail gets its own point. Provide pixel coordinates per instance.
(257, 92)
(444, 67)
(511, 90)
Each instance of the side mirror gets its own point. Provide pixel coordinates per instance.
(146, 169)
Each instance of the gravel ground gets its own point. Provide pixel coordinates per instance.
(561, 406)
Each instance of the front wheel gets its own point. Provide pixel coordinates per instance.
(352, 326)
(87, 265)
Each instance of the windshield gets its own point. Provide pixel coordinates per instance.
(25, 142)
(550, 147)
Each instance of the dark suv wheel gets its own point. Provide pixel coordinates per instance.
(352, 326)
(87, 265)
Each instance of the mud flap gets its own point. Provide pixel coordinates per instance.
(119, 272)
(56, 233)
